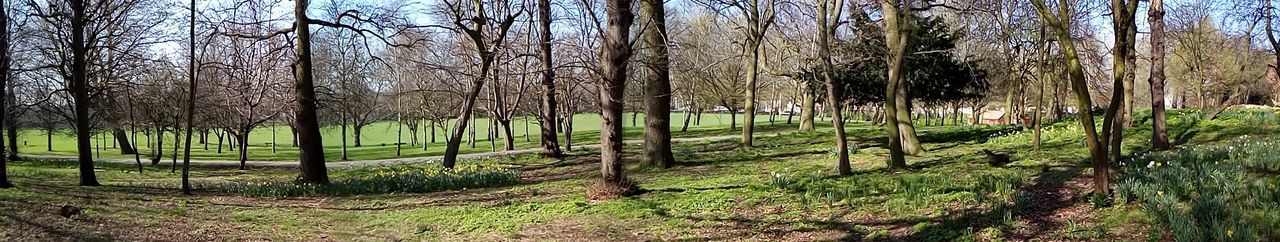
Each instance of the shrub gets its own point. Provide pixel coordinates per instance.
(1225, 193)
(382, 180)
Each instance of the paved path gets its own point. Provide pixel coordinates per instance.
(381, 162)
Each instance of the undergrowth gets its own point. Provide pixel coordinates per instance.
(1219, 193)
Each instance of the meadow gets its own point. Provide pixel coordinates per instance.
(379, 139)
(781, 189)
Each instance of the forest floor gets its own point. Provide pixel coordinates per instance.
(780, 190)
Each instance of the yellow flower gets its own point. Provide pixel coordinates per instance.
(1229, 233)
(1160, 193)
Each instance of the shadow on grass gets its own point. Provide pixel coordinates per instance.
(1036, 204)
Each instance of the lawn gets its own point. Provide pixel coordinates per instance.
(379, 139)
(782, 189)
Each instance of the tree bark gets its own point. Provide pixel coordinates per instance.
(807, 109)
(1155, 19)
(1060, 25)
(749, 105)
(159, 150)
(343, 126)
(506, 134)
(5, 60)
(910, 141)
(311, 146)
(191, 105)
(547, 119)
(123, 139)
(896, 39)
(657, 102)
(79, 87)
(834, 96)
(615, 50)
(688, 116)
(243, 138)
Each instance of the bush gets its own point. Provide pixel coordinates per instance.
(382, 180)
(1225, 193)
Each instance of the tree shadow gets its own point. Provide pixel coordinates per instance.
(1036, 204)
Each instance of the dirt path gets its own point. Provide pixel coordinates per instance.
(383, 162)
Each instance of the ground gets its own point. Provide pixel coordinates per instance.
(780, 190)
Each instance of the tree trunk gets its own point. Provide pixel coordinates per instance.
(11, 131)
(191, 104)
(733, 119)
(123, 139)
(697, 120)
(310, 144)
(343, 126)
(219, 134)
(1080, 87)
(749, 103)
(896, 39)
(5, 121)
(615, 51)
(471, 133)
(547, 121)
(356, 130)
(807, 109)
(688, 116)
(492, 133)
(243, 138)
(834, 96)
(634, 116)
(79, 88)
(1155, 19)
(657, 102)
(159, 150)
(506, 134)
(910, 141)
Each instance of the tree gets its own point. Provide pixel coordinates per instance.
(486, 49)
(547, 116)
(310, 145)
(96, 44)
(657, 96)
(191, 102)
(1155, 19)
(615, 51)
(757, 16)
(896, 16)
(1060, 24)
(828, 19)
(5, 55)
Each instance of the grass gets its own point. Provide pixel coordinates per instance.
(781, 189)
(379, 139)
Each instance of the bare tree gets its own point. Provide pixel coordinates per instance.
(1060, 23)
(486, 48)
(756, 16)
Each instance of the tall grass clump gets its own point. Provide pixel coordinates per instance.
(382, 180)
(1221, 193)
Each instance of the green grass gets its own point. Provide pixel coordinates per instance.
(379, 139)
(781, 189)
